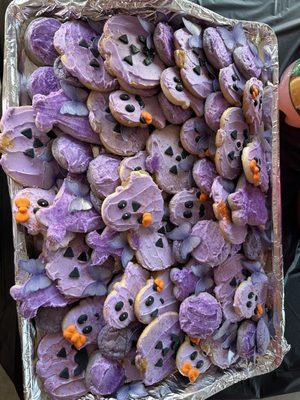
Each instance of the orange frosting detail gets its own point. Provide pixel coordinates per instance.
(254, 91)
(21, 216)
(223, 210)
(255, 171)
(195, 340)
(203, 197)
(147, 219)
(160, 284)
(260, 309)
(193, 374)
(147, 117)
(186, 367)
(72, 335)
(22, 202)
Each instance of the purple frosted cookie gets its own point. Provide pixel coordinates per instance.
(127, 55)
(184, 281)
(255, 165)
(247, 60)
(71, 212)
(116, 138)
(230, 140)
(249, 298)
(215, 48)
(200, 315)
(186, 206)
(155, 298)
(253, 246)
(246, 336)
(157, 347)
(220, 190)
(173, 89)
(215, 105)
(232, 85)
(248, 204)
(174, 114)
(26, 203)
(196, 137)
(137, 202)
(39, 40)
(267, 107)
(138, 91)
(170, 163)
(163, 36)
(49, 319)
(103, 376)
(133, 163)
(213, 248)
(63, 75)
(26, 151)
(233, 233)
(83, 322)
(204, 173)
(61, 367)
(220, 356)
(77, 42)
(118, 308)
(134, 110)
(262, 337)
(71, 154)
(252, 105)
(103, 175)
(42, 81)
(57, 110)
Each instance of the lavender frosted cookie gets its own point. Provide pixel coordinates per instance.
(186, 206)
(196, 137)
(132, 374)
(253, 246)
(26, 153)
(152, 249)
(71, 154)
(155, 298)
(262, 337)
(229, 142)
(133, 163)
(49, 319)
(83, 322)
(215, 48)
(63, 75)
(76, 42)
(157, 347)
(26, 203)
(39, 40)
(220, 190)
(232, 84)
(255, 165)
(127, 56)
(247, 60)
(42, 81)
(247, 299)
(163, 36)
(53, 111)
(214, 107)
(173, 89)
(170, 163)
(134, 110)
(103, 376)
(246, 339)
(204, 173)
(119, 304)
(103, 174)
(137, 202)
(184, 280)
(252, 104)
(200, 315)
(174, 114)
(191, 361)
(220, 356)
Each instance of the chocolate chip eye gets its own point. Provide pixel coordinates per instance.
(178, 158)
(82, 319)
(193, 356)
(137, 168)
(238, 144)
(187, 214)
(233, 134)
(233, 77)
(188, 204)
(119, 306)
(179, 87)
(176, 79)
(130, 108)
(123, 316)
(250, 295)
(122, 204)
(126, 216)
(256, 298)
(154, 313)
(130, 301)
(124, 96)
(199, 364)
(97, 315)
(249, 304)
(87, 329)
(149, 301)
(43, 203)
(35, 210)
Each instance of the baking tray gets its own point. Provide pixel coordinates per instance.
(16, 66)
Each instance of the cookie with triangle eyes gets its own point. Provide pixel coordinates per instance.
(128, 55)
(163, 38)
(252, 104)
(119, 304)
(76, 42)
(185, 206)
(134, 110)
(133, 163)
(230, 141)
(215, 48)
(26, 203)
(169, 162)
(155, 298)
(173, 89)
(116, 138)
(204, 173)
(83, 322)
(214, 107)
(174, 114)
(232, 84)
(249, 299)
(157, 347)
(255, 165)
(196, 137)
(191, 361)
(62, 367)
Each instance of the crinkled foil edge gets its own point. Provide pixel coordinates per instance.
(173, 388)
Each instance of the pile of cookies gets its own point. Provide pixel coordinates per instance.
(145, 161)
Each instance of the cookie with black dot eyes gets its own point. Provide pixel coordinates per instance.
(155, 298)
(230, 140)
(83, 322)
(133, 163)
(134, 110)
(116, 138)
(170, 163)
(173, 89)
(185, 206)
(204, 173)
(252, 105)
(190, 360)
(26, 203)
(128, 55)
(196, 137)
(249, 299)
(255, 165)
(77, 42)
(157, 348)
(232, 84)
(118, 308)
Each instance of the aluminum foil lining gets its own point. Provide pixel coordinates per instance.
(16, 66)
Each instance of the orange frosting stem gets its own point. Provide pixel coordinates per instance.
(203, 197)
(186, 367)
(159, 284)
(193, 374)
(260, 309)
(147, 117)
(147, 219)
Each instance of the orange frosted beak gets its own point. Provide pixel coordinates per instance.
(72, 335)
(160, 284)
(223, 211)
(193, 374)
(195, 340)
(22, 203)
(147, 219)
(186, 367)
(259, 309)
(147, 117)
(255, 171)
(203, 197)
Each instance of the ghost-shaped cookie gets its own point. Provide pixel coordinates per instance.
(255, 165)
